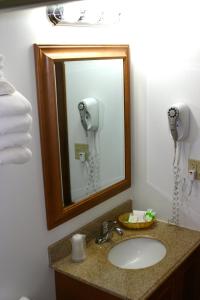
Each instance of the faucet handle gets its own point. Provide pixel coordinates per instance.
(107, 225)
(107, 228)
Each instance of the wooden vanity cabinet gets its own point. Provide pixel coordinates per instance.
(182, 284)
(68, 288)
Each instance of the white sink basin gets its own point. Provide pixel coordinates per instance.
(137, 253)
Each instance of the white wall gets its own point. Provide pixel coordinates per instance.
(166, 63)
(23, 235)
(165, 53)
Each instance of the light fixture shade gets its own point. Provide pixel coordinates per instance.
(82, 13)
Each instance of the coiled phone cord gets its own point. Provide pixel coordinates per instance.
(176, 188)
(93, 165)
(176, 196)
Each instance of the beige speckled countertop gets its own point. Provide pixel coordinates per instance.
(97, 271)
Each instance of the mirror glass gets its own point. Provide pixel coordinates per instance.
(84, 114)
(94, 125)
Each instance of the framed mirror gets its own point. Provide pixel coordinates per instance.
(84, 113)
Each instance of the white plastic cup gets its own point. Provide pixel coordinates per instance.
(78, 247)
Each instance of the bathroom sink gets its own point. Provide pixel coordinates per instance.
(137, 253)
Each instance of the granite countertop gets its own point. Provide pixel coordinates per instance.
(97, 271)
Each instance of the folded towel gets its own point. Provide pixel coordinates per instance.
(14, 140)
(14, 104)
(1, 61)
(17, 155)
(6, 88)
(15, 124)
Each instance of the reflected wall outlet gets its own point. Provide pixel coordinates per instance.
(194, 165)
(81, 148)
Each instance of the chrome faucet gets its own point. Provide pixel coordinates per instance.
(106, 231)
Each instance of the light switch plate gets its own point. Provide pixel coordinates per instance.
(194, 165)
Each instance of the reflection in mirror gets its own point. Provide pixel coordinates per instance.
(94, 125)
(84, 113)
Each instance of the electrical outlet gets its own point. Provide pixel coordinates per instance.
(194, 165)
(81, 148)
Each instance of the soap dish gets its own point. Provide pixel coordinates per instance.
(123, 220)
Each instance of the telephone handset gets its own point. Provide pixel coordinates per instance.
(178, 116)
(173, 118)
(89, 113)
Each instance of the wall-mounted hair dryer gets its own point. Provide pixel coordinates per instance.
(178, 116)
(89, 113)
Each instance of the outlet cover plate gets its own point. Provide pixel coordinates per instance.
(194, 165)
(81, 148)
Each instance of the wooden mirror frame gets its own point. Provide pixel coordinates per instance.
(45, 58)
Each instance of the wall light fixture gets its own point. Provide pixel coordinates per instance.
(83, 13)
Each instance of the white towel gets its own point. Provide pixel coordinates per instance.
(17, 155)
(14, 140)
(6, 88)
(2, 58)
(14, 104)
(15, 124)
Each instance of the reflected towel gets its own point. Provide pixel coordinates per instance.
(14, 104)
(15, 124)
(6, 88)
(17, 155)
(14, 140)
